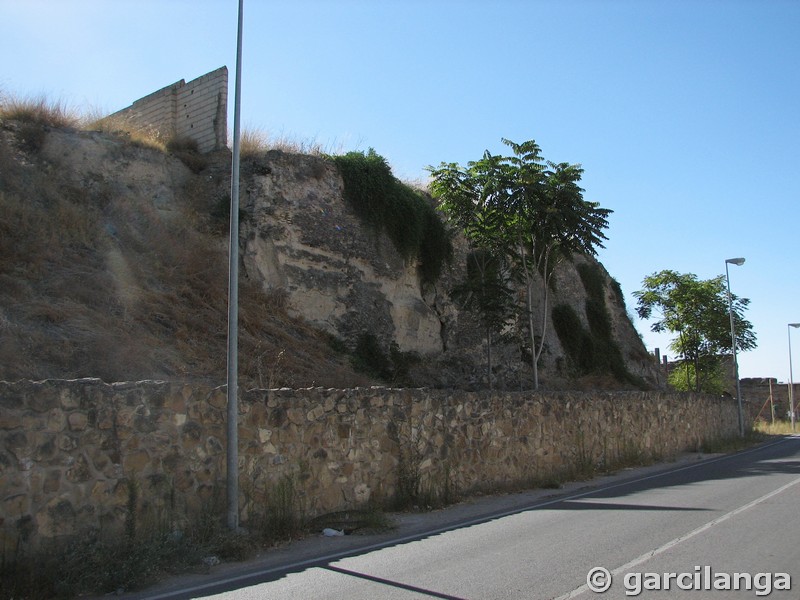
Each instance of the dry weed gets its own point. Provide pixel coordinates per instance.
(39, 110)
(777, 428)
(257, 141)
(94, 283)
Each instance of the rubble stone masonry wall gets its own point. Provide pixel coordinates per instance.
(69, 448)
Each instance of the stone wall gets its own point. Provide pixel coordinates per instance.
(197, 110)
(69, 448)
(756, 394)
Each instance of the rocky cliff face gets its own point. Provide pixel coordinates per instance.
(300, 236)
(113, 265)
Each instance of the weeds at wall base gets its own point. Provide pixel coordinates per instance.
(733, 444)
(149, 546)
(779, 427)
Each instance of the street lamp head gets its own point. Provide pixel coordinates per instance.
(735, 261)
(795, 325)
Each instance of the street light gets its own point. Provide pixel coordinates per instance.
(738, 262)
(791, 379)
(232, 421)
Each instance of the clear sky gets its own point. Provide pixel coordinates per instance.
(684, 114)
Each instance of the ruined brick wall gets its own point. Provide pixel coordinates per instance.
(197, 110)
(69, 448)
(762, 395)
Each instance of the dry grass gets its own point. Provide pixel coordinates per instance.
(39, 110)
(777, 428)
(97, 282)
(255, 141)
(43, 111)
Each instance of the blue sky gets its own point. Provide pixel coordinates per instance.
(684, 114)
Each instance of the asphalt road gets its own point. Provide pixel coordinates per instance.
(692, 527)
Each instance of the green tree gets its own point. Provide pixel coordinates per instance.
(697, 312)
(485, 291)
(683, 376)
(528, 210)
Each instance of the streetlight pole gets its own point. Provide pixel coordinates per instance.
(738, 262)
(232, 457)
(791, 378)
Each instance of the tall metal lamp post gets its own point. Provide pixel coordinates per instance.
(791, 378)
(232, 457)
(738, 262)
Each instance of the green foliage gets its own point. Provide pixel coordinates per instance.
(387, 205)
(576, 341)
(697, 311)
(618, 292)
(683, 377)
(592, 351)
(592, 280)
(486, 291)
(435, 246)
(526, 209)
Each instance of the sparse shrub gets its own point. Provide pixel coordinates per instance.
(255, 142)
(41, 111)
(283, 519)
(779, 427)
(617, 288)
(407, 488)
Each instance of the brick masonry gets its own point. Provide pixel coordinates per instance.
(68, 448)
(197, 110)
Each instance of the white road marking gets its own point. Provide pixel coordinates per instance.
(671, 544)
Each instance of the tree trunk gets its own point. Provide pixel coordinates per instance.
(529, 306)
(489, 356)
